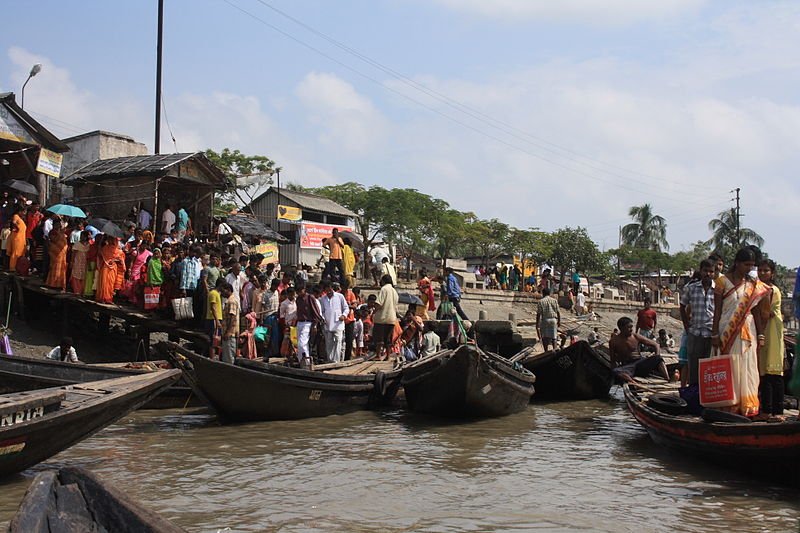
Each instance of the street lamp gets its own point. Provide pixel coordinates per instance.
(34, 71)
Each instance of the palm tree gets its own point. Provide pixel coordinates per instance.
(724, 237)
(647, 230)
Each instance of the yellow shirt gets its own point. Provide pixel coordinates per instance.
(214, 306)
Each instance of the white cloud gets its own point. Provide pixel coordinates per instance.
(594, 12)
(346, 119)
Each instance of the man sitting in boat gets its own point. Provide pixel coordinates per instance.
(626, 362)
(64, 352)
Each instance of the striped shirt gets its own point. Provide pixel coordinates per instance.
(701, 306)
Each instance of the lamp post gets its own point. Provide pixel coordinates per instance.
(34, 71)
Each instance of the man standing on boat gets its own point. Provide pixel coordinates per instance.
(697, 315)
(646, 320)
(385, 317)
(626, 362)
(548, 318)
(334, 313)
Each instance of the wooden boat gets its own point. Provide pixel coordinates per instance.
(254, 390)
(73, 499)
(576, 372)
(18, 373)
(35, 425)
(466, 382)
(763, 448)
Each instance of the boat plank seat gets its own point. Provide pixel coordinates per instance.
(363, 367)
(22, 401)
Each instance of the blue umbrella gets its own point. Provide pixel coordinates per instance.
(67, 210)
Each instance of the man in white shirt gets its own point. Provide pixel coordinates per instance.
(580, 303)
(334, 311)
(237, 279)
(168, 220)
(64, 352)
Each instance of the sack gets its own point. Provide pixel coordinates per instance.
(716, 382)
(183, 308)
(152, 295)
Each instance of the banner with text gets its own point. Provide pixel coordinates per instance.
(49, 163)
(291, 214)
(311, 234)
(269, 250)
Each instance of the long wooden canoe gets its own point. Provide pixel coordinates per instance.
(577, 372)
(19, 373)
(253, 390)
(36, 425)
(72, 499)
(766, 449)
(466, 382)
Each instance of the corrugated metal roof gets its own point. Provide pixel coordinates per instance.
(312, 202)
(250, 226)
(143, 165)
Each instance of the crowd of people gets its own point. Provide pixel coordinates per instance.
(734, 312)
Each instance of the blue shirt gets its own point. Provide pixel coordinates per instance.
(453, 290)
(190, 273)
(182, 222)
(92, 231)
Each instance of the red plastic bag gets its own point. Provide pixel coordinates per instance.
(152, 295)
(716, 382)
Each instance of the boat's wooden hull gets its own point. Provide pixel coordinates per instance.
(19, 373)
(252, 391)
(466, 383)
(577, 372)
(73, 499)
(89, 408)
(767, 449)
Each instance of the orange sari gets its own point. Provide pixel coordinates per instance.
(57, 275)
(16, 242)
(110, 270)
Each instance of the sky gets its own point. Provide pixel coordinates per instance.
(541, 114)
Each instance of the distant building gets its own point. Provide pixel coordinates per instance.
(28, 151)
(303, 218)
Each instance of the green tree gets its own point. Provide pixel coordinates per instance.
(724, 239)
(647, 230)
(407, 222)
(236, 165)
(487, 239)
(573, 249)
(450, 231)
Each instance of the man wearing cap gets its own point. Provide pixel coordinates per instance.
(453, 290)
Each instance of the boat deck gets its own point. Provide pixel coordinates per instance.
(648, 386)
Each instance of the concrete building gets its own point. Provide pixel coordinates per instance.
(303, 218)
(89, 147)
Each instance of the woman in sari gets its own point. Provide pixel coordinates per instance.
(139, 270)
(90, 281)
(110, 270)
(16, 242)
(348, 261)
(737, 326)
(79, 251)
(57, 248)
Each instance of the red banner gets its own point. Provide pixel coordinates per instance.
(312, 234)
(716, 382)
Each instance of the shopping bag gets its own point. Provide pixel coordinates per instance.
(183, 308)
(152, 295)
(716, 382)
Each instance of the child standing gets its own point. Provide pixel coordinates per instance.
(358, 333)
(771, 349)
